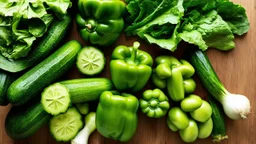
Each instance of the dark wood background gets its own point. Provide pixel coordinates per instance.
(235, 68)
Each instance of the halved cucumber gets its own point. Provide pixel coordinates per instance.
(64, 127)
(56, 99)
(90, 61)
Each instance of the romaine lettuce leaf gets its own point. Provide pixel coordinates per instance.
(149, 10)
(214, 31)
(192, 36)
(167, 22)
(205, 23)
(235, 16)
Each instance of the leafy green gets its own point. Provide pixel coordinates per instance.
(235, 16)
(193, 36)
(149, 9)
(205, 23)
(166, 22)
(23, 21)
(214, 32)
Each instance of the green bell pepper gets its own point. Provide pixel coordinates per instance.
(175, 75)
(100, 22)
(154, 103)
(116, 116)
(130, 68)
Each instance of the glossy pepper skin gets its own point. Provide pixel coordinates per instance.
(175, 75)
(154, 103)
(116, 116)
(130, 68)
(100, 22)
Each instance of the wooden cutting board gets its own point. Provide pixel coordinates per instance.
(235, 68)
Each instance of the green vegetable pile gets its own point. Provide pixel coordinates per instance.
(24, 21)
(209, 23)
(75, 108)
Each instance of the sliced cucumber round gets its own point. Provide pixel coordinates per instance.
(64, 127)
(56, 99)
(90, 61)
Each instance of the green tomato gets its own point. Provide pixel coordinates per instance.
(203, 113)
(205, 129)
(191, 103)
(190, 133)
(178, 118)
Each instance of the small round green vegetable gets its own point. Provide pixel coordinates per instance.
(90, 61)
(203, 113)
(191, 103)
(178, 117)
(190, 133)
(205, 129)
(154, 103)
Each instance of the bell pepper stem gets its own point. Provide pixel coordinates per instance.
(89, 26)
(135, 47)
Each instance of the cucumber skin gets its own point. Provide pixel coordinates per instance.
(219, 126)
(87, 89)
(210, 80)
(5, 81)
(40, 51)
(22, 122)
(30, 84)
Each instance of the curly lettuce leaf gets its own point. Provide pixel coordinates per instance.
(9, 7)
(200, 5)
(166, 43)
(23, 21)
(162, 30)
(149, 10)
(59, 6)
(38, 26)
(214, 31)
(235, 16)
(192, 36)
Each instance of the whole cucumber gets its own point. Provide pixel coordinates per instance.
(36, 79)
(23, 121)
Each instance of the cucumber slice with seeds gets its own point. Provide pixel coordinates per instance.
(64, 127)
(90, 61)
(56, 99)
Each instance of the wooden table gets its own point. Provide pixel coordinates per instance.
(235, 68)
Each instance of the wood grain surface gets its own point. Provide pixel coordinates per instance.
(235, 68)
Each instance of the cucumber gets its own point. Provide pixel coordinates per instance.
(23, 121)
(42, 49)
(32, 83)
(90, 61)
(210, 80)
(87, 89)
(56, 99)
(64, 127)
(5, 81)
(219, 127)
